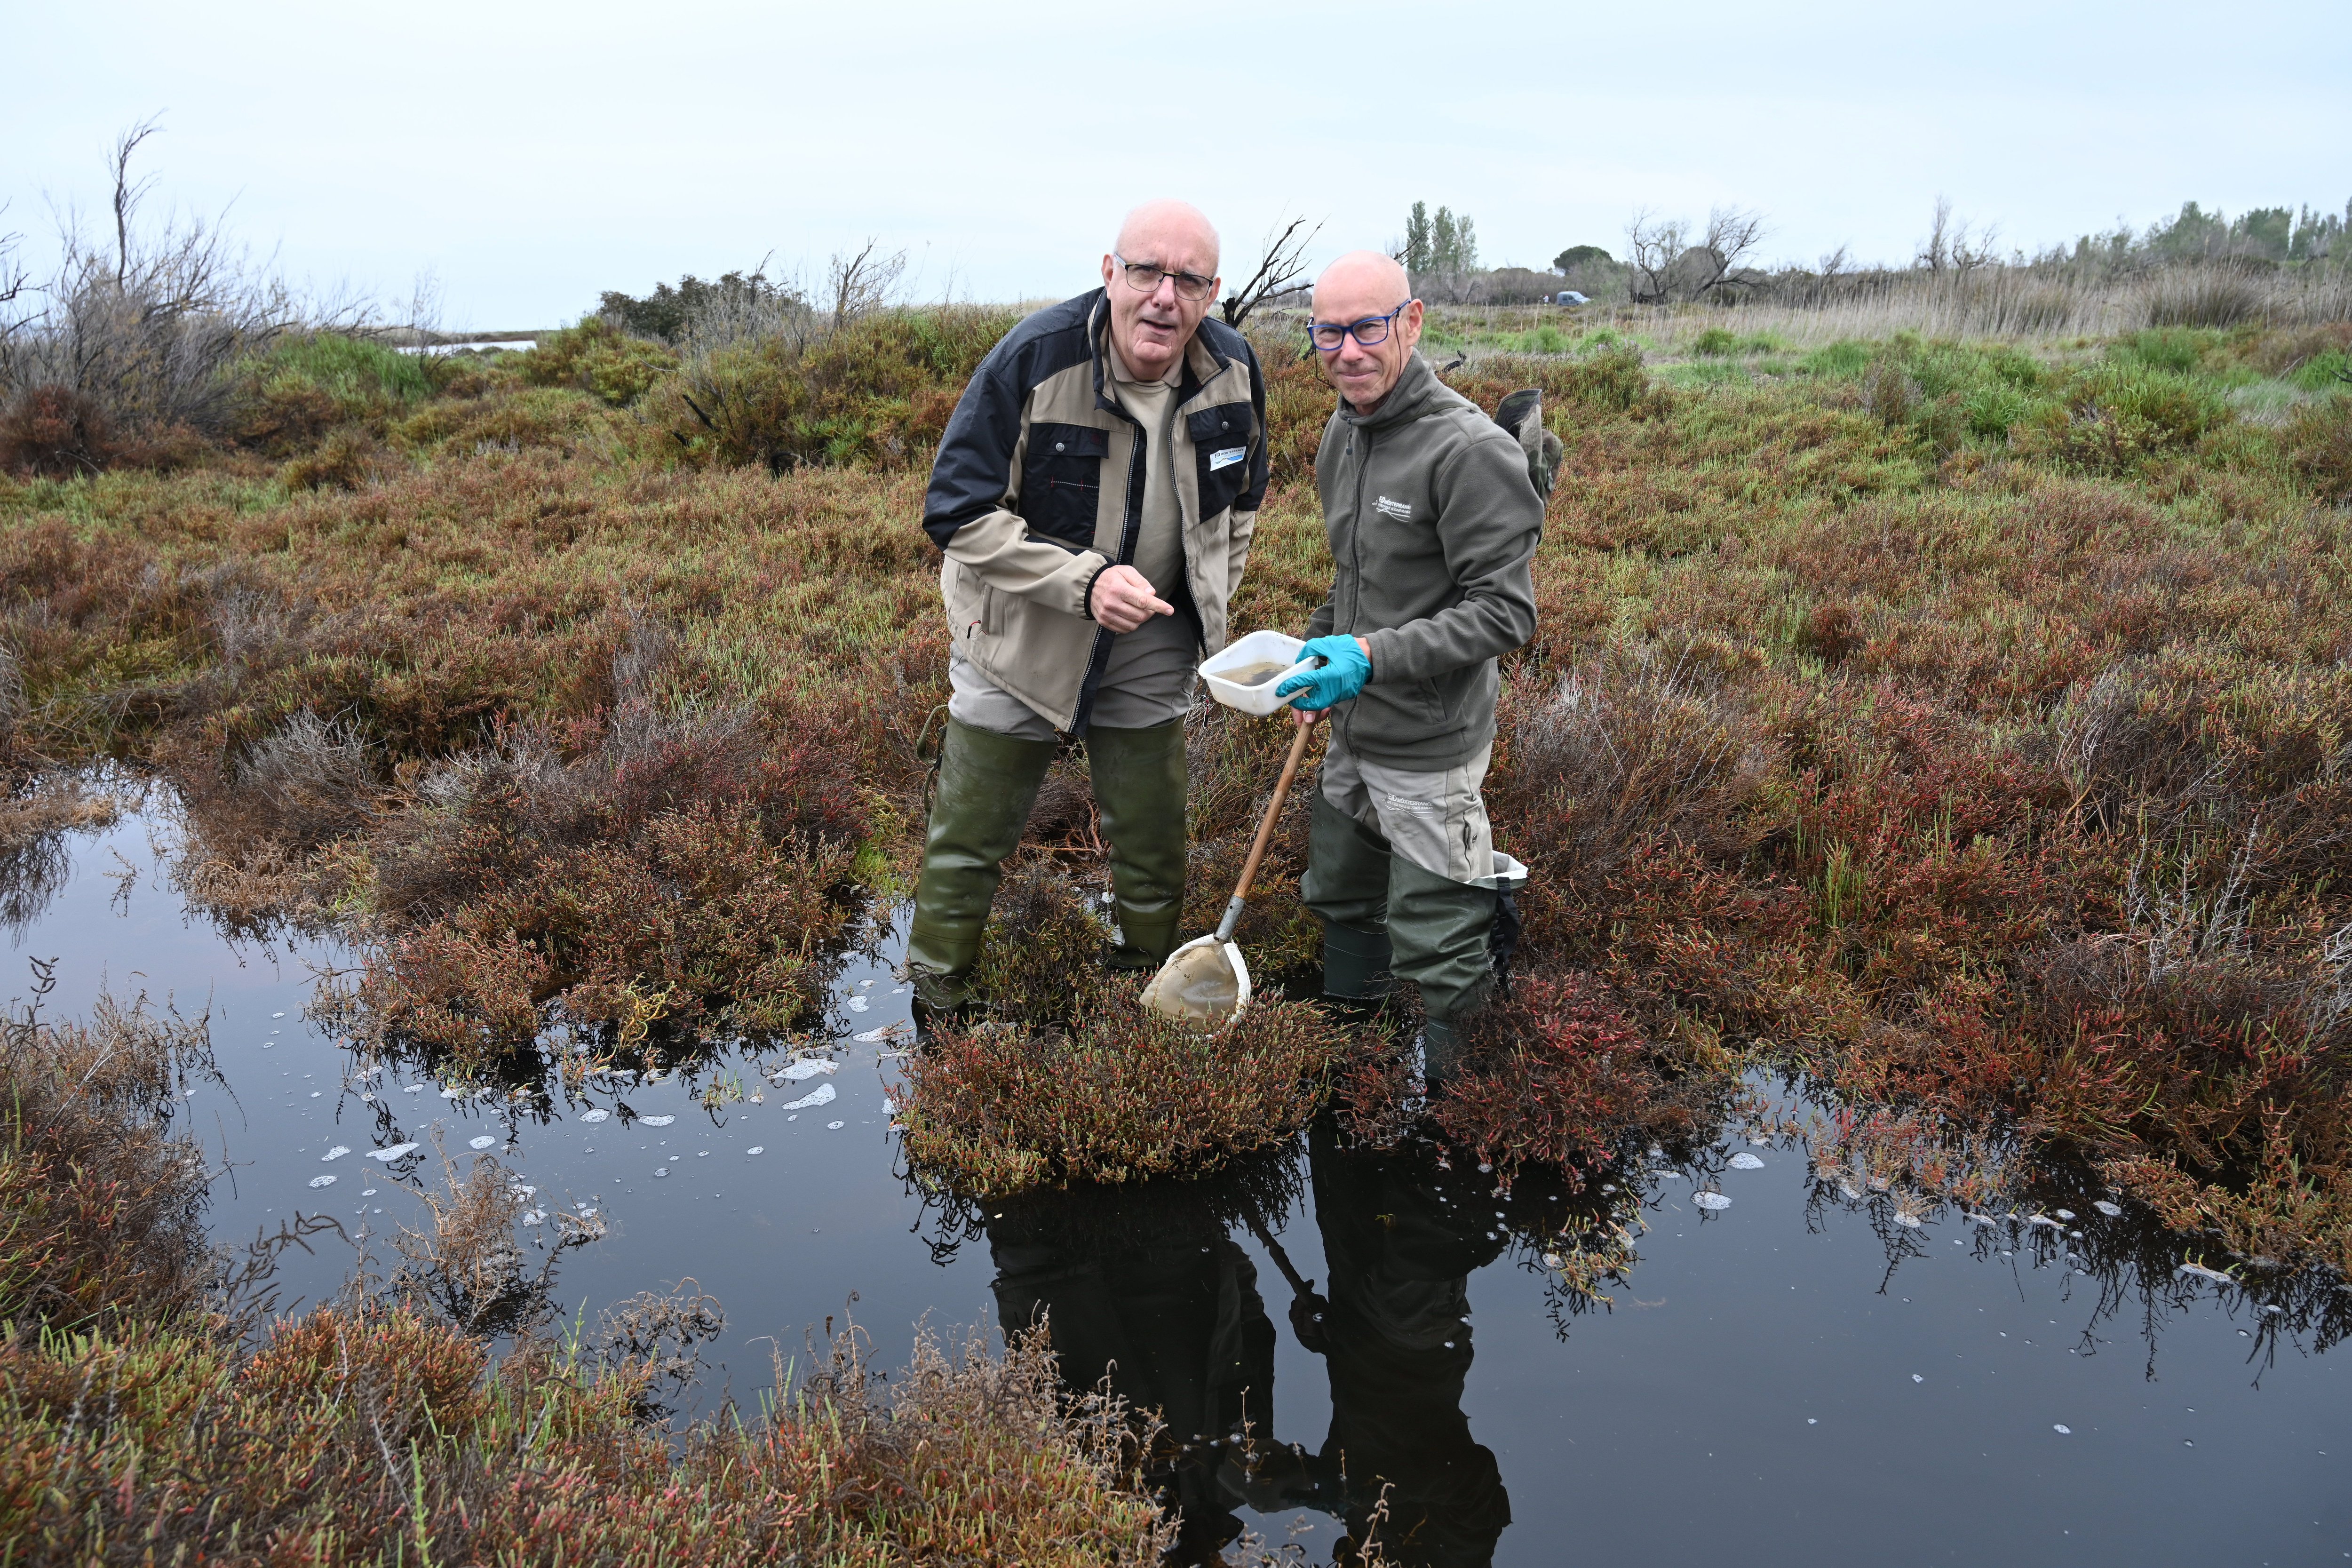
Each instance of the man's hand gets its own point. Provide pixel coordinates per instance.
(1122, 599)
(1347, 666)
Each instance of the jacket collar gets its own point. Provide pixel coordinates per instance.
(1407, 400)
(1201, 361)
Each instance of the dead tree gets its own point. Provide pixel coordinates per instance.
(1949, 247)
(1669, 261)
(863, 282)
(1280, 262)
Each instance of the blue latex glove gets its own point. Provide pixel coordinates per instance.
(1345, 670)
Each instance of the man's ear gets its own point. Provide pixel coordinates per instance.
(1107, 269)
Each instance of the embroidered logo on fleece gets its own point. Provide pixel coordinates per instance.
(1226, 458)
(1400, 510)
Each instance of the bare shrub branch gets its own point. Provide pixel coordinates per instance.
(1281, 260)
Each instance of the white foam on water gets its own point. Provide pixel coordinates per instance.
(326, 1181)
(367, 1192)
(1907, 1221)
(278, 1014)
(1711, 1200)
(823, 1094)
(757, 1149)
(337, 1153)
(395, 1153)
(2061, 1430)
(871, 1035)
(484, 1141)
(661, 1170)
(596, 1115)
(2201, 1272)
(1916, 1378)
(856, 1003)
(414, 1088)
(805, 1068)
(657, 1120)
(831, 1126)
(1744, 1160)
(2064, 1214)
(1983, 1219)
(2113, 1211)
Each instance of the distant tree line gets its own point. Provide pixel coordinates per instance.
(1666, 259)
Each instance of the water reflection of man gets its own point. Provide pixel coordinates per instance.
(1170, 1313)
(1394, 1335)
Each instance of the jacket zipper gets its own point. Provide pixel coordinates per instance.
(1355, 565)
(1130, 529)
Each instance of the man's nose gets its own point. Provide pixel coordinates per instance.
(1164, 295)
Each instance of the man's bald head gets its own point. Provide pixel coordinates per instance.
(1360, 278)
(1151, 328)
(1170, 225)
(1365, 291)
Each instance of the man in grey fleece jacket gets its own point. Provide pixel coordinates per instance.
(1433, 517)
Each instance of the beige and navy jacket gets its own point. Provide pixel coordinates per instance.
(1038, 490)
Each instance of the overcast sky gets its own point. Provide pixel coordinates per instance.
(529, 155)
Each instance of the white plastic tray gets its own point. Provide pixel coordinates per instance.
(1258, 647)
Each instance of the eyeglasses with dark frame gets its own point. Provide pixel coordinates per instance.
(1371, 332)
(1144, 278)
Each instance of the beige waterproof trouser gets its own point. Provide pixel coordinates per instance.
(1436, 820)
(1148, 682)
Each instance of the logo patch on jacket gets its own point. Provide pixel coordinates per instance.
(1401, 509)
(1226, 458)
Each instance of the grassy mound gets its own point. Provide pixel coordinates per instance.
(1115, 1094)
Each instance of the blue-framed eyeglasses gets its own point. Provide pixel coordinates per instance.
(1370, 331)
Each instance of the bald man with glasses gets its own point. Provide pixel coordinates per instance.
(1093, 501)
(1434, 512)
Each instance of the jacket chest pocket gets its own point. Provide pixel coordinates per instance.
(1221, 454)
(1061, 481)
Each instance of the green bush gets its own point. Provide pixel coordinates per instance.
(309, 383)
(1990, 409)
(2324, 372)
(2118, 415)
(1715, 342)
(2177, 349)
(876, 394)
(598, 358)
(1840, 361)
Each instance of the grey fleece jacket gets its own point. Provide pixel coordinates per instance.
(1432, 524)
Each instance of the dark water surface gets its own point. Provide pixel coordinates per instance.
(1783, 1380)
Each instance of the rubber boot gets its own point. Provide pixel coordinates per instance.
(1440, 929)
(1441, 1054)
(987, 783)
(1139, 782)
(1356, 964)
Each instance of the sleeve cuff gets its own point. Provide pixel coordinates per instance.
(1086, 593)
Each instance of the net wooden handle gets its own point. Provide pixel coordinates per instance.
(1273, 810)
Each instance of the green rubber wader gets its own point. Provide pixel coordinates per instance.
(1437, 928)
(987, 783)
(1139, 779)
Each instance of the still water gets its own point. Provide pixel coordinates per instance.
(1793, 1378)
